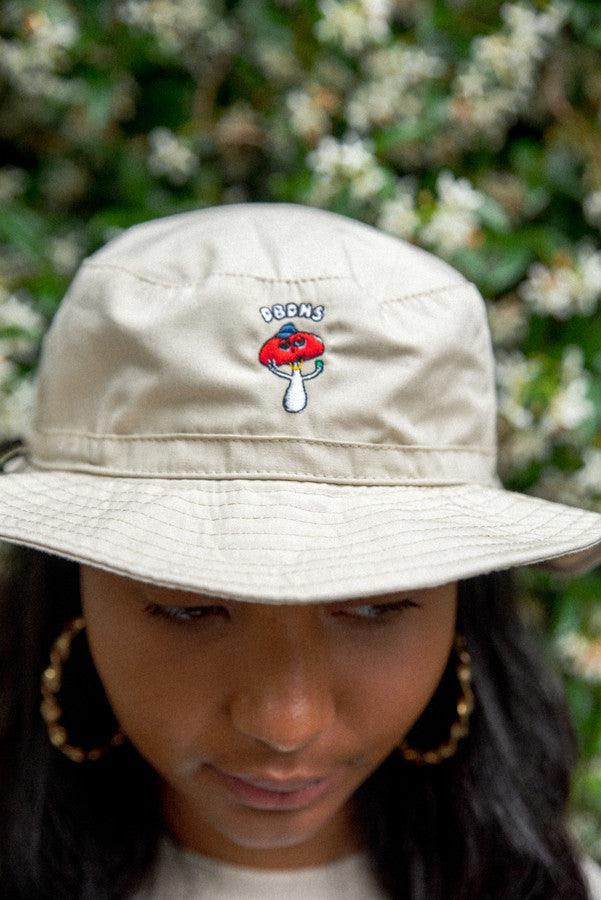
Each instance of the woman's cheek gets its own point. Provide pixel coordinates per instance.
(145, 682)
(404, 672)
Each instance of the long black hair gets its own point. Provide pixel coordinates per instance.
(487, 823)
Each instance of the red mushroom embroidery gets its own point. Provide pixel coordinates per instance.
(292, 347)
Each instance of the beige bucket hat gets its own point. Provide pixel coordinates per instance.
(275, 403)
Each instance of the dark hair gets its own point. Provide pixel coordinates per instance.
(489, 822)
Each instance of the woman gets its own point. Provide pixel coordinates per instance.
(303, 667)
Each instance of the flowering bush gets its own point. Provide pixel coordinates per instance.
(469, 127)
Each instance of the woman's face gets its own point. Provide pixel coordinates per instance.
(264, 690)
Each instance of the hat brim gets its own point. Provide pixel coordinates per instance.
(283, 541)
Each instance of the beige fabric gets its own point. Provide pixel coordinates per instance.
(176, 440)
(405, 396)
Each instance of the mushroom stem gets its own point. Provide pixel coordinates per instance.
(295, 397)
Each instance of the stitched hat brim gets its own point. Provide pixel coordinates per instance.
(281, 541)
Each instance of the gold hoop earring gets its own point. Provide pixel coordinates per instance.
(50, 709)
(460, 727)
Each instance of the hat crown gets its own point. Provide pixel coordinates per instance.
(268, 340)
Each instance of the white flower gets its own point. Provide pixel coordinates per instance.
(457, 192)
(379, 103)
(588, 478)
(398, 215)
(449, 229)
(170, 156)
(66, 252)
(572, 363)
(31, 65)
(350, 160)
(13, 182)
(399, 75)
(550, 291)
(14, 312)
(558, 486)
(455, 221)
(507, 320)
(567, 288)
(308, 117)
(353, 23)
(278, 61)
(407, 64)
(367, 183)
(524, 446)
(496, 84)
(568, 408)
(8, 369)
(471, 82)
(51, 34)
(592, 207)
(513, 372)
(525, 22)
(17, 410)
(172, 22)
(582, 654)
(513, 411)
(588, 267)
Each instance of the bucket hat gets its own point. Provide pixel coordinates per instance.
(275, 403)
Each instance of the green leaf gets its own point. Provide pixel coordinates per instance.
(24, 229)
(99, 102)
(581, 701)
(493, 215)
(102, 223)
(409, 129)
(496, 266)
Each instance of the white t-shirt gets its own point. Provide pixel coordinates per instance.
(182, 874)
(592, 874)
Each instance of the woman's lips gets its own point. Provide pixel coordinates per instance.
(261, 798)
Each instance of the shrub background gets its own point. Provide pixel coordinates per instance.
(469, 127)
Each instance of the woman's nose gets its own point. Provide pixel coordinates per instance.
(285, 698)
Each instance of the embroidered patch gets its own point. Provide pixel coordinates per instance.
(290, 347)
(283, 311)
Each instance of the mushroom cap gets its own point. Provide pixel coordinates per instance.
(290, 345)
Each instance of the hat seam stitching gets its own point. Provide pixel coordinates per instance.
(389, 448)
(436, 290)
(265, 278)
(206, 567)
(159, 439)
(425, 526)
(287, 280)
(220, 474)
(143, 277)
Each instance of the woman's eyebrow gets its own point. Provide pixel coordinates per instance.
(175, 596)
(372, 599)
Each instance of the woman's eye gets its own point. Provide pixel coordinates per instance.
(375, 611)
(182, 613)
(370, 612)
